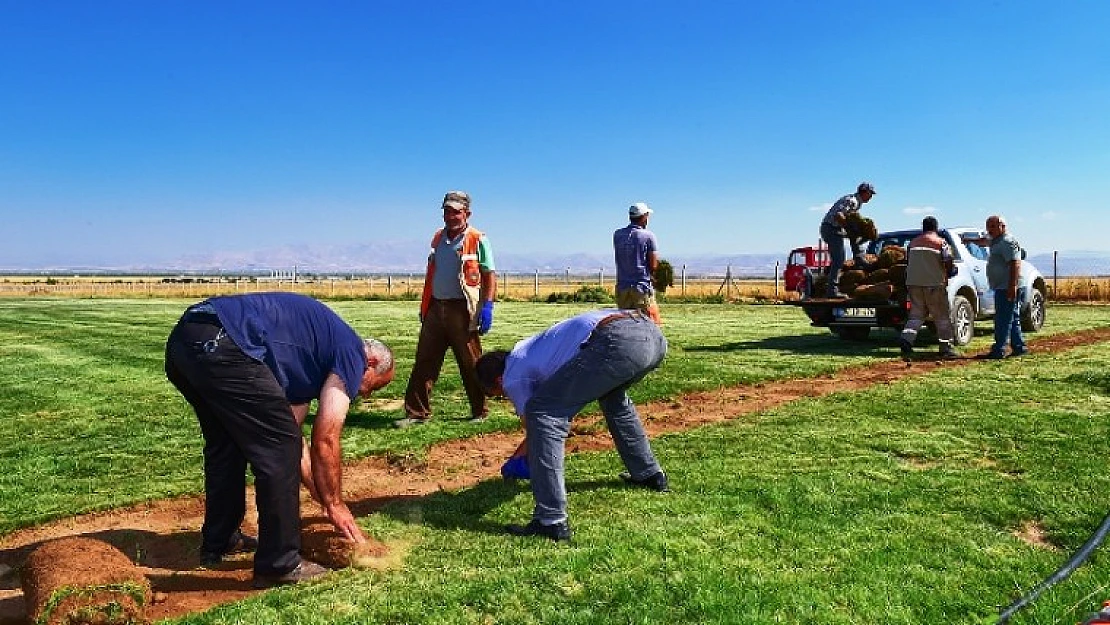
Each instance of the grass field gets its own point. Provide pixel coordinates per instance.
(899, 504)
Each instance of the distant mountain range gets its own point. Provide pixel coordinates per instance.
(409, 256)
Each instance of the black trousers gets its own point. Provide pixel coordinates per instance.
(245, 419)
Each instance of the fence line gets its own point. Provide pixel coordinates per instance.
(1072, 278)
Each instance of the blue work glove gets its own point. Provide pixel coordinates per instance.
(485, 317)
(516, 468)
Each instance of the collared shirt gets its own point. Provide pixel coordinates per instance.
(927, 256)
(445, 281)
(537, 357)
(1004, 250)
(631, 247)
(848, 204)
(301, 340)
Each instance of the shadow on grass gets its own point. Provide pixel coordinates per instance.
(880, 342)
(467, 509)
(807, 344)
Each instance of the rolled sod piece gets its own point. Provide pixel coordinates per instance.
(880, 291)
(891, 255)
(323, 544)
(82, 581)
(850, 279)
(898, 275)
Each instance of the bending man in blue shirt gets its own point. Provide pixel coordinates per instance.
(551, 376)
(250, 365)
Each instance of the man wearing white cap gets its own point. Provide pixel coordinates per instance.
(637, 256)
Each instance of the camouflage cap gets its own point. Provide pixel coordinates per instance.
(457, 199)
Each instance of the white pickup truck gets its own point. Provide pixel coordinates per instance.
(968, 294)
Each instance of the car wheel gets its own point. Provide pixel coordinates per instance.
(1032, 318)
(852, 333)
(963, 320)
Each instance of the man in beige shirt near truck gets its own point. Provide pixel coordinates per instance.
(930, 266)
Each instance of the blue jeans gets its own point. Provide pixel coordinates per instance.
(1007, 322)
(616, 356)
(831, 235)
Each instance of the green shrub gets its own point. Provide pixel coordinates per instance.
(594, 294)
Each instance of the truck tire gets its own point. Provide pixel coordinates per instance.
(963, 320)
(1032, 318)
(851, 333)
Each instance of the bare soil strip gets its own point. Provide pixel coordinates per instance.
(162, 536)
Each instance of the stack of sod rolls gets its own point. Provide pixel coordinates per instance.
(879, 277)
(79, 581)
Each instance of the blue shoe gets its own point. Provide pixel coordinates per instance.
(516, 468)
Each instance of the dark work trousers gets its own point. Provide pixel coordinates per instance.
(447, 325)
(245, 419)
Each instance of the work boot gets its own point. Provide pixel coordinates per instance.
(408, 422)
(656, 481)
(304, 571)
(555, 531)
(947, 353)
(238, 543)
(907, 349)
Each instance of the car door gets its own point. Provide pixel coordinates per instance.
(976, 260)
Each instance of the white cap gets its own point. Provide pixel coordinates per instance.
(639, 209)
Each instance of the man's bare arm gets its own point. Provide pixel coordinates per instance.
(327, 456)
(1015, 279)
(489, 285)
(300, 413)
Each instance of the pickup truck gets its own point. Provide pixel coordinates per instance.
(969, 296)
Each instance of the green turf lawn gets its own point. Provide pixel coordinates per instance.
(894, 505)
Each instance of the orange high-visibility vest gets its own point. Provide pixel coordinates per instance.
(470, 274)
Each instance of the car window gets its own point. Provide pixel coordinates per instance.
(977, 250)
(878, 245)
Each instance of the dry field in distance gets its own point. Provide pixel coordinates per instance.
(512, 286)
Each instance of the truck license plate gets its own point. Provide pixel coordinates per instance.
(855, 313)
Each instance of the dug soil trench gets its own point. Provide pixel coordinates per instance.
(162, 536)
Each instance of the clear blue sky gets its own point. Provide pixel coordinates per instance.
(133, 130)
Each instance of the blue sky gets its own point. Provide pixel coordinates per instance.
(137, 131)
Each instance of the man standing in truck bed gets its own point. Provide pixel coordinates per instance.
(930, 265)
(833, 231)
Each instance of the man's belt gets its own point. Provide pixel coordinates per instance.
(624, 314)
(202, 313)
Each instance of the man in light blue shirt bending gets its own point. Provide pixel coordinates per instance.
(551, 376)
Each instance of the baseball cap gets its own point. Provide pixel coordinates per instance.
(865, 186)
(458, 200)
(639, 209)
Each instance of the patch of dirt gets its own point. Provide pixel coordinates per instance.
(162, 536)
(1032, 533)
